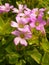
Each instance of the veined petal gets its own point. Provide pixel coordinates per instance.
(18, 19)
(16, 40)
(11, 7)
(38, 27)
(23, 42)
(43, 30)
(28, 9)
(16, 33)
(32, 24)
(21, 20)
(28, 35)
(24, 20)
(26, 28)
(21, 14)
(20, 7)
(14, 24)
(34, 10)
(7, 5)
(27, 13)
(2, 8)
(15, 10)
(43, 23)
(42, 9)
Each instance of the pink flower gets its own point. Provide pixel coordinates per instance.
(21, 24)
(2, 8)
(5, 8)
(19, 10)
(21, 37)
(38, 12)
(28, 16)
(25, 16)
(38, 24)
(41, 12)
(35, 11)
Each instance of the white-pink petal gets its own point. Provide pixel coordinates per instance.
(16, 33)
(16, 40)
(18, 19)
(20, 7)
(32, 24)
(26, 28)
(21, 14)
(14, 24)
(23, 42)
(15, 10)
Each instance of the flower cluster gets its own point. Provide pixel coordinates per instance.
(5, 8)
(26, 20)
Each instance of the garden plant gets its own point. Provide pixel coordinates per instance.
(24, 32)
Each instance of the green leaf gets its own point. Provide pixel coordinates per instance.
(12, 58)
(10, 48)
(35, 55)
(21, 62)
(6, 29)
(33, 40)
(0, 2)
(2, 54)
(45, 44)
(30, 61)
(3, 41)
(1, 23)
(45, 60)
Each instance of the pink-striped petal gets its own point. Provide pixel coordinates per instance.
(15, 10)
(14, 24)
(23, 42)
(16, 40)
(32, 24)
(16, 33)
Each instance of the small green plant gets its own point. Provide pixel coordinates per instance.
(24, 32)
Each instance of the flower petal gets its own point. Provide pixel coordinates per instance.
(21, 14)
(16, 40)
(38, 27)
(15, 10)
(14, 24)
(18, 19)
(32, 24)
(23, 42)
(20, 7)
(26, 28)
(16, 33)
(28, 35)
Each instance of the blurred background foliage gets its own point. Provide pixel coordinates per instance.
(31, 55)
(30, 3)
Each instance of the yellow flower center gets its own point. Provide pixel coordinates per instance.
(37, 23)
(37, 13)
(26, 16)
(21, 25)
(22, 35)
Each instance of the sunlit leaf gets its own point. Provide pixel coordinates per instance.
(45, 44)
(45, 60)
(35, 55)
